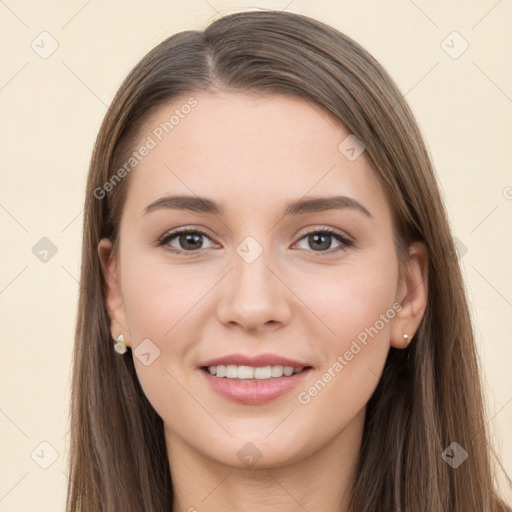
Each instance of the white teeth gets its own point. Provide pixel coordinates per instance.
(232, 371)
(276, 371)
(264, 372)
(244, 372)
(288, 371)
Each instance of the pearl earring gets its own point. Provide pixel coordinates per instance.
(119, 345)
(406, 338)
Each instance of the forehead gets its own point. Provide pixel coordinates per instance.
(246, 150)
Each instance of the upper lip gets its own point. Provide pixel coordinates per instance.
(255, 361)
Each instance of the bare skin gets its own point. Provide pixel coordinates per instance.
(303, 300)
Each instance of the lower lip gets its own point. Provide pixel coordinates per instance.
(252, 391)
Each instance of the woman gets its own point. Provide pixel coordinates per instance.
(271, 314)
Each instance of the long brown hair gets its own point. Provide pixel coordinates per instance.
(429, 395)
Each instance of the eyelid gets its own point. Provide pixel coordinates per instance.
(325, 229)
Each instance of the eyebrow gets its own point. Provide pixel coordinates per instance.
(301, 206)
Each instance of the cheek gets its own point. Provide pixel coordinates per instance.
(361, 302)
(163, 305)
(357, 307)
(158, 299)
(351, 298)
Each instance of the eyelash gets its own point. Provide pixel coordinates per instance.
(345, 241)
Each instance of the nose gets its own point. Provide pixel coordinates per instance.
(253, 295)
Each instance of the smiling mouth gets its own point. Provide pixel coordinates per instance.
(252, 373)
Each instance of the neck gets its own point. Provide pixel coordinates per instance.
(320, 482)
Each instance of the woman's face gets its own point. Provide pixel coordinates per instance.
(262, 281)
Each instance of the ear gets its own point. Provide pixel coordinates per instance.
(412, 295)
(115, 306)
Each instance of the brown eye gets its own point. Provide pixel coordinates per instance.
(321, 240)
(188, 241)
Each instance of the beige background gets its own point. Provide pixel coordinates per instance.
(51, 110)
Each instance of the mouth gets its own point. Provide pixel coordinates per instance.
(253, 373)
(254, 380)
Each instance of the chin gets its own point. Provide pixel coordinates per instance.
(260, 451)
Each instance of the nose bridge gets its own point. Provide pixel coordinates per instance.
(251, 266)
(253, 295)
